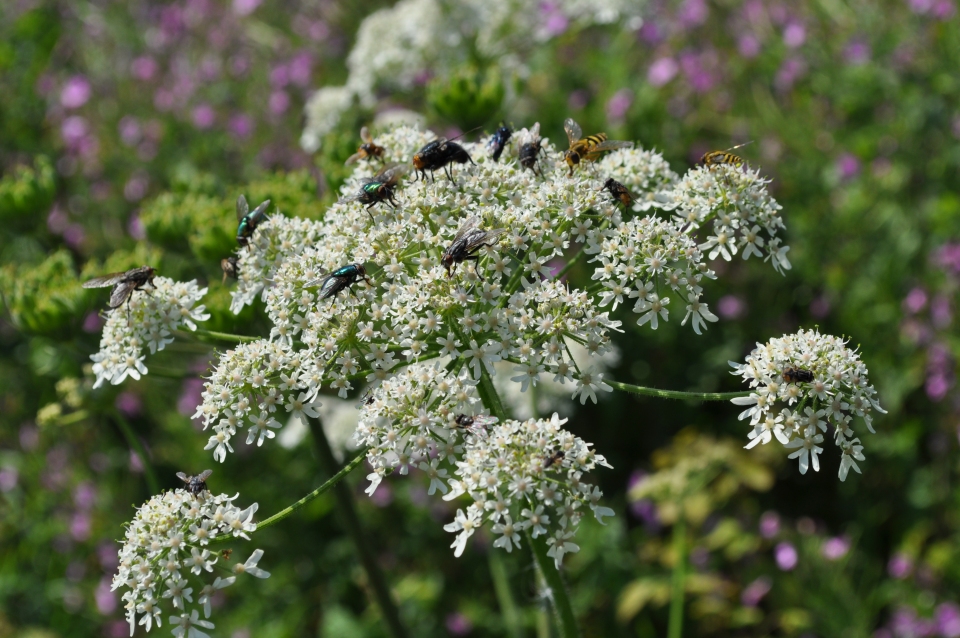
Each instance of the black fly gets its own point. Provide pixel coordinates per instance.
(498, 141)
(230, 267)
(530, 149)
(339, 279)
(440, 153)
(195, 484)
(554, 458)
(468, 241)
(249, 220)
(124, 283)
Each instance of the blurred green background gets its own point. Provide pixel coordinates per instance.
(127, 129)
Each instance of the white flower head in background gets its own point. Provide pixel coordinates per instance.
(526, 476)
(808, 387)
(164, 559)
(146, 322)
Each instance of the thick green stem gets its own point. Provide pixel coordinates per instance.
(348, 517)
(675, 629)
(323, 489)
(501, 587)
(677, 394)
(569, 265)
(213, 335)
(556, 590)
(488, 394)
(134, 442)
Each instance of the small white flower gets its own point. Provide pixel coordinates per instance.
(250, 566)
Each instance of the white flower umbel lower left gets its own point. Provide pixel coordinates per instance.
(165, 561)
(146, 321)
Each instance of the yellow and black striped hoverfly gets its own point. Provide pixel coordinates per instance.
(587, 148)
(713, 158)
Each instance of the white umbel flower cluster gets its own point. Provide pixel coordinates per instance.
(146, 322)
(745, 217)
(526, 477)
(802, 384)
(164, 558)
(411, 421)
(502, 305)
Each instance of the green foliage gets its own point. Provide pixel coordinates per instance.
(44, 298)
(470, 97)
(26, 192)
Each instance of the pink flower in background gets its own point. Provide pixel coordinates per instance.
(619, 104)
(80, 526)
(848, 166)
(856, 52)
(755, 591)
(458, 624)
(382, 500)
(105, 599)
(943, 9)
(730, 307)
(241, 125)
(93, 322)
(129, 129)
(748, 45)
(279, 102)
(769, 524)
(73, 130)
(940, 313)
(786, 556)
(650, 33)
(74, 235)
(300, 68)
(76, 92)
(692, 13)
(947, 618)
(662, 71)
(915, 300)
(129, 404)
(190, 396)
(790, 71)
(899, 566)
(245, 7)
(820, 307)
(280, 76)
(578, 99)
(203, 116)
(948, 257)
(8, 478)
(135, 227)
(144, 68)
(84, 496)
(553, 20)
(835, 548)
(794, 35)
(136, 188)
(57, 220)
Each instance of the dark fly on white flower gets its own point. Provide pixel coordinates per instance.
(467, 421)
(124, 284)
(797, 375)
(366, 399)
(230, 267)
(468, 241)
(249, 220)
(440, 153)
(339, 279)
(380, 187)
(553, 459)
(498, 141)
(531, 150)
(195, 484)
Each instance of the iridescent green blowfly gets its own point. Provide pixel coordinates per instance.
(249, 220)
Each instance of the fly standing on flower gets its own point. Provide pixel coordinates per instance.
(618, 191)
(587, 148)
(340, 279)
(380, 188)
(498, 141)
(797, 375)
(553, 459)
(249, 220)
(531, 149)
(230, 267)
(480, 422)
(366, 399)
(367, 150)
(440, 154)
(124, 284)
(714, 158)
(468, 241)
(195, 484)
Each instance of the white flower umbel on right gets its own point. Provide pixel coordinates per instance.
(526, 476)
(803, 383)
(165, 562)
(146, 321)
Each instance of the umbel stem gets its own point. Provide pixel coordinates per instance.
(677, 394)
(675, 628)
(556, 590)
(348, 517)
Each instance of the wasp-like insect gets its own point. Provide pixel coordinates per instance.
(467, 421)
(367, 149)
(530, 149)
(195, 484)
(249, 220)
(499, 141)
(468, 241)
(380, 188)
(124, 284)
(618, 191)
(797, 375)
(713, 158)
(440, 154)
(230, 267)
(554, 458)
(587, 148)
(340, 279)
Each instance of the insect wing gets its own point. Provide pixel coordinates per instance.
(391, 173)
(467, 226)
(479, 238)
(106, 280)
(204, 475)
(259, 213)
(574, 132)
(331, 286)
(121, 293)
(183, 477)
(356, 156)
(242, 207)
(365, 135)
(610, 145)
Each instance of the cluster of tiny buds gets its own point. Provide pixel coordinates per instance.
(164, 557)
(821, 382)
(145, 322)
